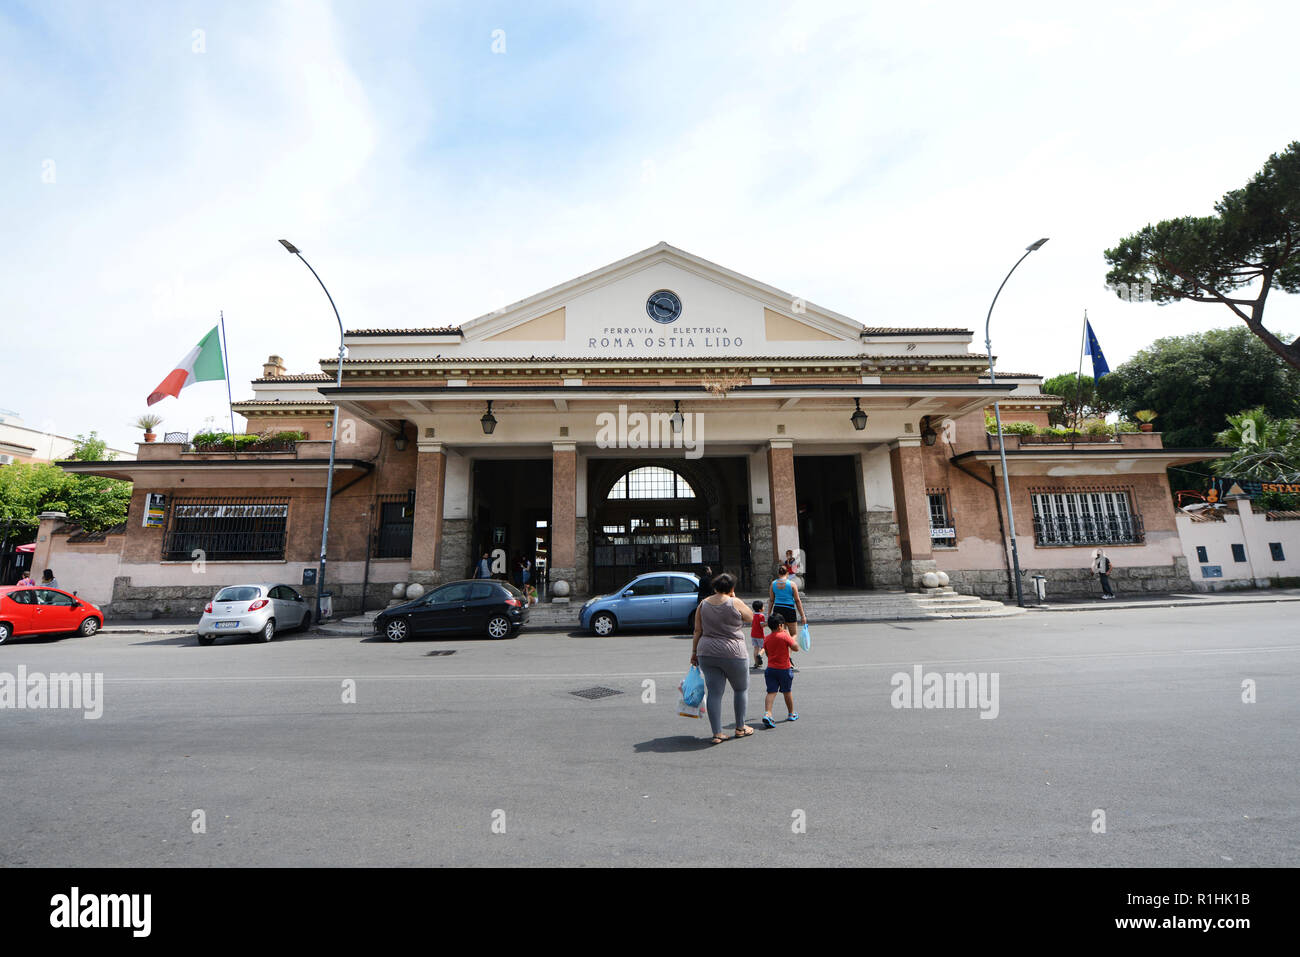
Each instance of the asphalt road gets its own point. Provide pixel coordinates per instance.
(1135, 713)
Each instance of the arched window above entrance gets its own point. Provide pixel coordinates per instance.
(651, 482)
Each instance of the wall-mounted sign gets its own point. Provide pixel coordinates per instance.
(309, 576)
(1211, 571)
(499, 535)
(943, 533)
(155, 510)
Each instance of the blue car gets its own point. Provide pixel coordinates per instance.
(653, 600)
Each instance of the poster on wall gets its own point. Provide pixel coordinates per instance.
(155, 510)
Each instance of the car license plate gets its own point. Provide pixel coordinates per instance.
(227, 624)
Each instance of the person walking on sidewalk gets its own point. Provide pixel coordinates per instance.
(719, 651)
(1101, 568)
(783, 596)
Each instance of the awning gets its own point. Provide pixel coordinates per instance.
(28, 548)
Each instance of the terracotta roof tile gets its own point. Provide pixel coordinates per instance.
(303, 377)
(914, 331)
(430, 331)
(662, 360)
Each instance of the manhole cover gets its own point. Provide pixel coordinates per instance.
(591, 694)
(437, 654)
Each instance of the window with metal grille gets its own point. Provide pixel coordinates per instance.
(1085, 518)
(651, 481)
(943, 534)
(396, 523)
(226, 529)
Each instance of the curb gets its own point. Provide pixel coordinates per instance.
(1165, 603)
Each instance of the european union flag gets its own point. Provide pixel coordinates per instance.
(1099, 367)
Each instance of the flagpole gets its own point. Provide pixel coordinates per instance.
(234, 445)
(1078, 376)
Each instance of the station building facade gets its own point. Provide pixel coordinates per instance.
(662, 412)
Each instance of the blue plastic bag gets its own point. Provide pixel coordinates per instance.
(805, 638)
(693, 687)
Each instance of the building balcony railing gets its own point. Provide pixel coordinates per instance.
(1070, 531)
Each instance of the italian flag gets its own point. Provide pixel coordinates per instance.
(201, 364)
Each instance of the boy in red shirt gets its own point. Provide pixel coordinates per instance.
(780, 671)
(756, 633)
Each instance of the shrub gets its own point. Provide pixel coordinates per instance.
(290, 435)
(1096, 427)
(1012, 428)
(1126, 427)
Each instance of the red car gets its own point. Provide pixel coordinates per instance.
(28, 610)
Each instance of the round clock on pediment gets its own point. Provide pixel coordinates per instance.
(663, 306)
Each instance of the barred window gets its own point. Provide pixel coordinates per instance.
(226, 529)
(1085, 518)
(396, 525)
(943, 534)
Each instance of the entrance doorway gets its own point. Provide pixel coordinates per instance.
(512, 511)
(827, 501)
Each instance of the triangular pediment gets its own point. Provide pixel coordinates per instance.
(703, 309)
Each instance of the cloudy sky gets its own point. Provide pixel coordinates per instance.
(889, 161)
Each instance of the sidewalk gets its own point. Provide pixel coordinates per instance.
(1166, 600)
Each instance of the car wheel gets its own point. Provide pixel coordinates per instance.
(306, 620)
(89, 627)
(498, 626)
(206, 639)
(397, 629)
(5, 631)
(268, 630)
(604, 624)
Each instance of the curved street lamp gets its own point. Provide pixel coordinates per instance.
(334, 432)
(997, 414)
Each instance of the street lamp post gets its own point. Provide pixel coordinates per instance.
(334, 433)
(997, 414)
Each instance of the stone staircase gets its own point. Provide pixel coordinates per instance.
(931, 603)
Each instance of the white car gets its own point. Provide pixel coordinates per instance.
(260, 610)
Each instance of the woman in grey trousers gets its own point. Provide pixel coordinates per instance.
(720, 650)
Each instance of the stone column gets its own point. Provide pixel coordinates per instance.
(785, 507)
(564, 519)
(911, 509)
(426, 535)
(877, 522)
(45, 543)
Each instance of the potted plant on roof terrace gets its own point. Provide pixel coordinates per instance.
(148, 422)
(1146, 417)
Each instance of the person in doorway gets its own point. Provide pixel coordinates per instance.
(484, 569)
(1101, 568)
(527, 573)
(48, 579)
(779, 675)
(784, 598)
(25, 580)
(719, 651)
(706, 584)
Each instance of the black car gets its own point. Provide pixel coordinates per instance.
(477, 607)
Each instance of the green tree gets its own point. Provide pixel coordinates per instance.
(1083, 398)
(91, 448)
(1195, 382)
(90, 501)
(1265, 448)
(1252, 243)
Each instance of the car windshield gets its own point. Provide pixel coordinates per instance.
(239, 593)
